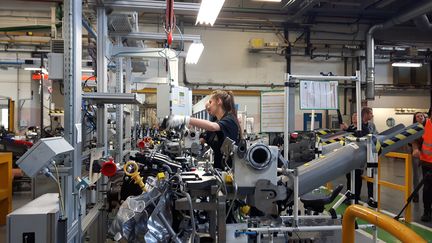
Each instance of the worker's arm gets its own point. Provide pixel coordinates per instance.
(416, 148)
(204, 124)
(343, 126)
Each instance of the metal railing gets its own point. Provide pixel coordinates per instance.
(395, 228)
(406, 188)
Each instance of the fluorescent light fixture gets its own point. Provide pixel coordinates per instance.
(44, 71)
(406, 64)
(87, 70)
(209, 11)
(194, 52)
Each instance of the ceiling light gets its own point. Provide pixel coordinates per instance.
(406, 64)
(208, 12)
(44, 71)
(87, 70)
(194, 52)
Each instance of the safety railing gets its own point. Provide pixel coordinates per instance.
(406, 188)
(392, 226)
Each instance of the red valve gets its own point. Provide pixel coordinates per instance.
(169, 38)
(141, 144)
(109, 168)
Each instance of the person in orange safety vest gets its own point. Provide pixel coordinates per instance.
(422, 148)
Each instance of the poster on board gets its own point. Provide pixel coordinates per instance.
(319, 95)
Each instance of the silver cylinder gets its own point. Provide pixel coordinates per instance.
(320, 171)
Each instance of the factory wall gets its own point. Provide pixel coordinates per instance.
(16, 83)
(226, 59)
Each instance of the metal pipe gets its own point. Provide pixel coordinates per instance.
(370, 46)
(345, 159)
(419, 10)
(284, 218)
(156, 36)
(345, 96)
(304, 229)
(358, 100)
(296, 198)
(11, 62)
(323, 78)
(397, 229)
(286, 123)
(24, 50)
(319, 171)
(423, 23)
(89, 29)
(102, 69)
(42, 134)
(370, 62)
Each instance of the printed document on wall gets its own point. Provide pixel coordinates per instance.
(319, 95)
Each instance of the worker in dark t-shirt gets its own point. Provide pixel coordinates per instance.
(220, 106)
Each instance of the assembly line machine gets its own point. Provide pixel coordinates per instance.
(167, 189)
(168, 193)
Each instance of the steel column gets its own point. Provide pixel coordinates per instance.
(72, 82)
(119, 107)
(102, 65)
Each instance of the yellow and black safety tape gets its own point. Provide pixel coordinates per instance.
(332, 141)
(379, 146)
(323, 131)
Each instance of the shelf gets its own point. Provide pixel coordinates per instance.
(267, 49)
(109, 98)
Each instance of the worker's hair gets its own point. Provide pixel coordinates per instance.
(365, 110)
(228, 104)
(415, 114)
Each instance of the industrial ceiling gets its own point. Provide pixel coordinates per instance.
(311, 21)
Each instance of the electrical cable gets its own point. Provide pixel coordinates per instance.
(181, 39)
(85, 82)
(79, 200)
(191, 215)
(60, 190)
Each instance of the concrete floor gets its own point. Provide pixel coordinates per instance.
(391, 200)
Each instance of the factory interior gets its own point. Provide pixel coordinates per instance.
(215, 121)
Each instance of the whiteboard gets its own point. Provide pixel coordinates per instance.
(319, 95)
(272, 111)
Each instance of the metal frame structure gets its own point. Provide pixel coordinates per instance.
(81, 220)
(94, 221)
(289, 102)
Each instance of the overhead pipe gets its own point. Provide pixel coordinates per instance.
(423, 23)
(419, 10)
(11, 62)
(370, 62)
(306, 5)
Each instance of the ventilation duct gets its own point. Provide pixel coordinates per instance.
(423, 23)
(419, 10)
